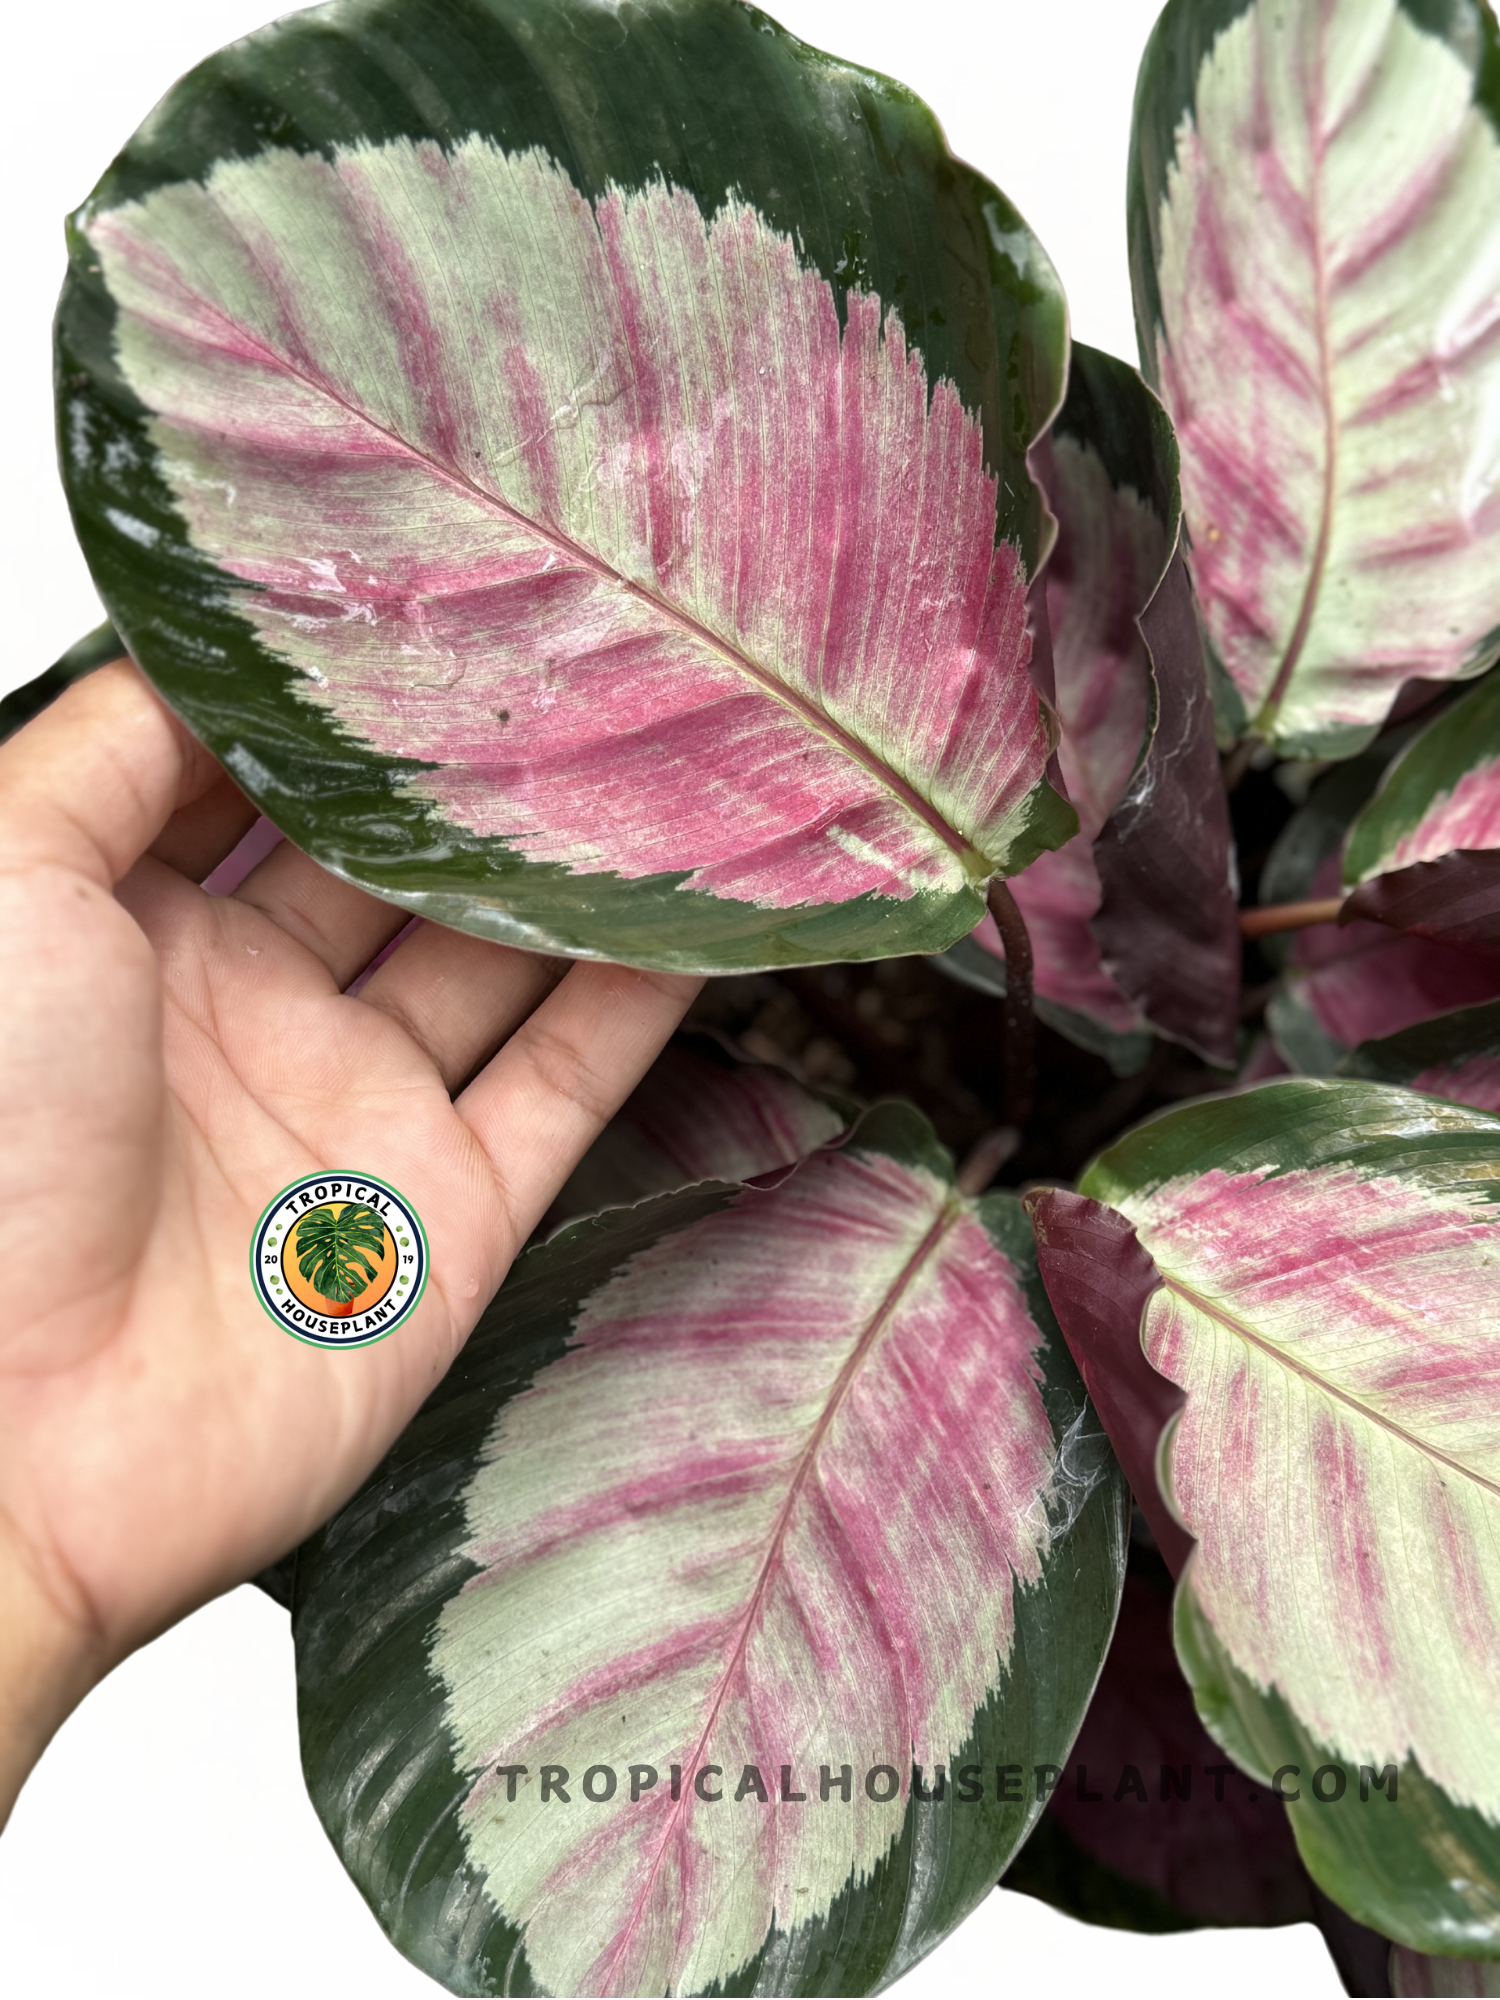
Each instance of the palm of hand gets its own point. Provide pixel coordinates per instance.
(175, 1060)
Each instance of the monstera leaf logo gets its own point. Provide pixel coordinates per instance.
(334, 1251)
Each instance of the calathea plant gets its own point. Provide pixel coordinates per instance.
(606, 478)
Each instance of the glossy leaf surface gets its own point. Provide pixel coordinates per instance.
(1328, 1307)
(1457, 1056)
(1315, 187)
(746, 1478)
(497, 471)
(1168, 925)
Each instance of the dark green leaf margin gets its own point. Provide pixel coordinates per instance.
(369, 1586)
(716, 98)
(1417, 1867)
(1449, 1039)
(1466, 734)
(1426, 1871)
(93, 650)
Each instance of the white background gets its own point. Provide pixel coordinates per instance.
(165, 1848)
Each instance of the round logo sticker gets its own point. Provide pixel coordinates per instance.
(339, 1259)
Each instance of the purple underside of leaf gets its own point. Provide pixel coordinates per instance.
(710, 1124)
(1103, 567)
(1167, 924)
(690, 1120)
(1327, 357)
(596, 509)
(1455, 900)
(1364, 981)
(792, 1463)
(1224, 1860)
(1420, 1977)
(1132, 921)
(1106, 562)
(1098, 1279)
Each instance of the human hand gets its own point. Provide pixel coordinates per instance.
(171, 1060)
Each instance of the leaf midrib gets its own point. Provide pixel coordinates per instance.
(947, 1216)
(1233, 1324)
(1296, 644)
(975, 862)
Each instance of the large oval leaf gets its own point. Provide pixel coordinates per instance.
(1315, 244)
(758, 1479)
(1328, 1306)
(575, 475)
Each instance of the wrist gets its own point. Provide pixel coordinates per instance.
(48, 1663)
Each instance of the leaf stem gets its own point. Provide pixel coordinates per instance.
(1019, 1053)
(985, 1158)
(1239, 760)
(1289, 916)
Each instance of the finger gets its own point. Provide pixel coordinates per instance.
(90, 782)
(203, 833)
(459, 997)
(339, 924)
(539, 1106)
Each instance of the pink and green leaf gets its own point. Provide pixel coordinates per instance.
(759, 1478)
(1440, 795)
(1389, 1846)
(538, 483)
(1456, 1056)
(1327, 1308)
(1424, 855)
(1313, 203)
